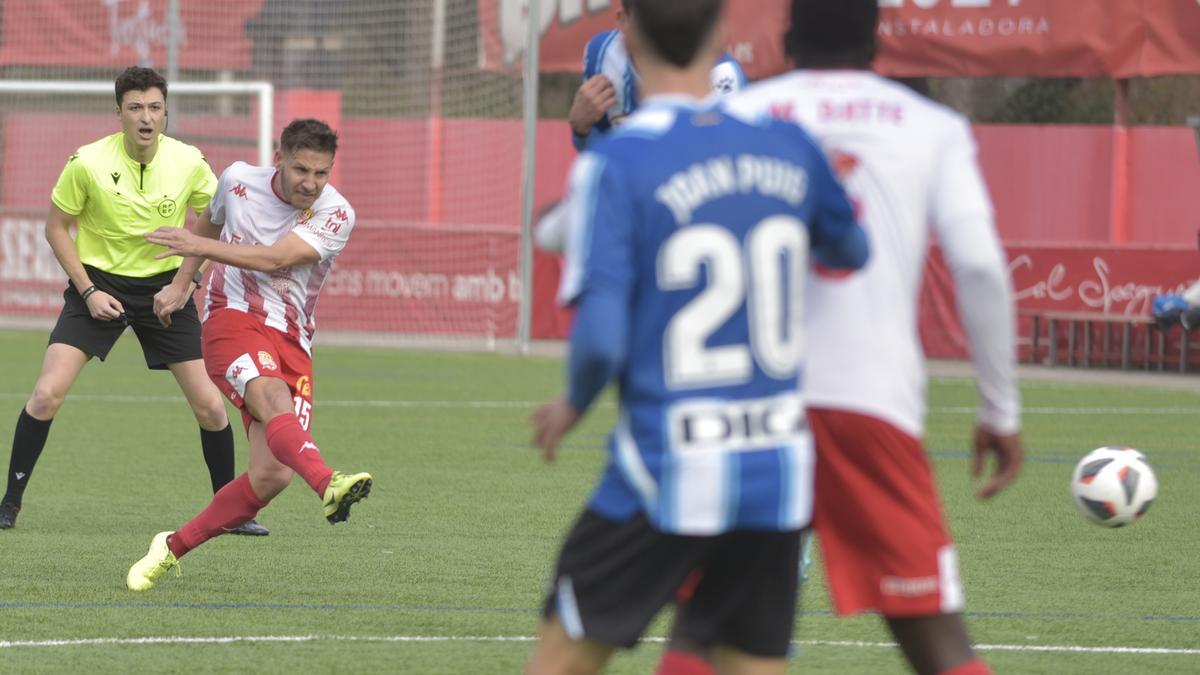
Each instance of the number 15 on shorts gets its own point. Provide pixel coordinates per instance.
(303, 412)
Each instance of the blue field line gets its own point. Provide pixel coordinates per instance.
(1046, 459)
(1045, 616)
(941, 454)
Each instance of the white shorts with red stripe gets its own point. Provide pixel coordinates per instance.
(879, 520)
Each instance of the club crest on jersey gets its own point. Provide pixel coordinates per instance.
(266, 361)
(305, 216)
(304, 386)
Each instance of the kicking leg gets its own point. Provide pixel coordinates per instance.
(270, 400)
(240, 500)
(216, 434)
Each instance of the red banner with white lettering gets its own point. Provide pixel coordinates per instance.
(415, 280)
(120, 33)
(1094, 279)
(983, 38)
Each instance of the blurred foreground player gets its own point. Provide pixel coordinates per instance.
(691, 233)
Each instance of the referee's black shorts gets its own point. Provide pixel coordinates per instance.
(737, 589)
(161, 346)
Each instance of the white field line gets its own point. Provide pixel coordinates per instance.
(402, 403)
(853, 644)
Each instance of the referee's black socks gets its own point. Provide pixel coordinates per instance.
(28, 440)
(218, 455)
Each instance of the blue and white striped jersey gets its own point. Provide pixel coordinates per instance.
(606, 55)
(691, 232)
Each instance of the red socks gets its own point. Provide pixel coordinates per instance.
(973, 667)
(680, 663)
(233, 505)
(294, 447)
(236, 503)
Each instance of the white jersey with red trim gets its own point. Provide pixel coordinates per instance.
(910, 165)
(251, 213)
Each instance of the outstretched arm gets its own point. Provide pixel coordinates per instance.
(289, 251)
(175, 295)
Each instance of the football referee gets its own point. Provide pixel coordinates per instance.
(115, 190)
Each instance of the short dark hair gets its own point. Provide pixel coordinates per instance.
(832, 33)
(308, 134)
(627, 5)
(676, 29)
(136, 78)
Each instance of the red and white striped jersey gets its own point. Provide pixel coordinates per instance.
(910, 165)
(251, 213)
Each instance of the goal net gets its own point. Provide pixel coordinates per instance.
(430, 151)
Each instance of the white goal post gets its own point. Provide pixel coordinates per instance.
(264, 91)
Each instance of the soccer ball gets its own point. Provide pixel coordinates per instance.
(1113, 486)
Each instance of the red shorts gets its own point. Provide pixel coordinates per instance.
(238, 347)
(878, 518)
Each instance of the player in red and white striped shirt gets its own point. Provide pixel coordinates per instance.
(273, 232)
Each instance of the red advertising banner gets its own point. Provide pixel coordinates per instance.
(754, 32)
(1094, 279)
(1046, 38)
(460, 281)
(985, 38)
(119, 33)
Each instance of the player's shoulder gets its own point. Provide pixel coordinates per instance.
(332, 201)
(179, 150)
(935, 113)
(783, 136)
(101, 150)
(604, 39)
(647, 125)
(242, 171)
(601, 47)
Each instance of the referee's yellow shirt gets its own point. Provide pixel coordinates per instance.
(118, 199)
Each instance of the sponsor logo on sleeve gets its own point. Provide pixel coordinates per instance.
(266, 361)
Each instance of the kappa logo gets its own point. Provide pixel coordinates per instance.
(235, 371)
(308, 445)
(239, 190)
(266, 361)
